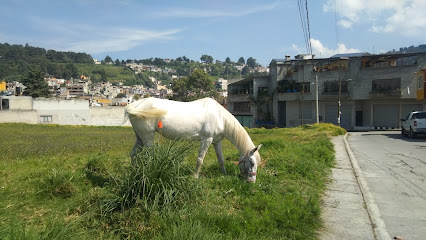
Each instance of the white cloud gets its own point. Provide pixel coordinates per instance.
(321, 51)
(345, 23)
(119, 40)
(94, 39)
(405, 17)
(208, 13)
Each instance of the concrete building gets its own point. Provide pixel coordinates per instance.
(59, 111)
(374, 91)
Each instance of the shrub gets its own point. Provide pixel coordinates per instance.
(156, 178)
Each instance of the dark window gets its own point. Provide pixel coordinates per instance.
(262, 91)
(385, 84)
(4, 104)
(333, 87)
(242, 107)
(419, 115)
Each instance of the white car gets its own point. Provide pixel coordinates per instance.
(414, 124)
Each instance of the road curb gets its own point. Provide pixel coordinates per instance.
(377, 223)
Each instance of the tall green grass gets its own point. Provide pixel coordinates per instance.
(156, 178)
(70, 182)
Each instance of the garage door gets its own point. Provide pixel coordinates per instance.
(345, 117)
(386, 115)
(246, 121)
(408, 108)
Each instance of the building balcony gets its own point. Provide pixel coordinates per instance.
(334, 95)
(238, 97)
(396, 93)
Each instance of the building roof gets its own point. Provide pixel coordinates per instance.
(246, 80)
(349, 55)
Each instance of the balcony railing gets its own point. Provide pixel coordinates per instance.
(386, 93)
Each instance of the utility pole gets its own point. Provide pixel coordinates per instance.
(338, 106)
(303, 95)
(316, 96)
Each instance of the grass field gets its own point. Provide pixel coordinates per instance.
(76, 182)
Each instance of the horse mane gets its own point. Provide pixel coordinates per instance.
(236, 133)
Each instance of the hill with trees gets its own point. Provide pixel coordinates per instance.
(16, 62)
(410, 49)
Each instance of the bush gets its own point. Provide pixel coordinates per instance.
(157, 178)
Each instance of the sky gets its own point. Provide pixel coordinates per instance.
(264, 30)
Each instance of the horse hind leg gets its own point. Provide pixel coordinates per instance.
(136, 148)
(204, 146)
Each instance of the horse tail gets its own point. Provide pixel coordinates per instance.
(146, 113)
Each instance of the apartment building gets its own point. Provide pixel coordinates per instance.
(357, 91)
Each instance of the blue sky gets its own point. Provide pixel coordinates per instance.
(268, 29)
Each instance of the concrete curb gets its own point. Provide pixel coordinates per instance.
(377, 223)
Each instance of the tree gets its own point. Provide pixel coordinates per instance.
(245, 71)
(117, 62)
(35, 84)
(228, 60)
(251, 62)
(241, 61)
(121, 95)
(108, 59)
(197, 85)
(206, 58)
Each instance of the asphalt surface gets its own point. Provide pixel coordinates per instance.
(378, 188)
(395, 170)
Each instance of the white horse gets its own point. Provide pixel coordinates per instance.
(203, 120)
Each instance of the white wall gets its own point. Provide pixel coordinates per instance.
(20, 103)
(18, 116)
(62, 112)
(107, 116)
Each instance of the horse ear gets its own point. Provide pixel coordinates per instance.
(256, 149)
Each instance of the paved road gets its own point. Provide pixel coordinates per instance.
(395, 170)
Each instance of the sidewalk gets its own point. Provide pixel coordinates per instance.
(344, 212)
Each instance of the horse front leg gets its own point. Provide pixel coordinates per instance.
(204, 146)
(219, 155)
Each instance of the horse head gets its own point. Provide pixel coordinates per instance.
(248, 164)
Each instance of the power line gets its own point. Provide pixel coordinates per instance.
(336, 9)
(304, 19)
(309, 30)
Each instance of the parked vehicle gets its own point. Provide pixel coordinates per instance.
(414, 124)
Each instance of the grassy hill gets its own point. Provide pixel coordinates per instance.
(76, 182)
(112, 73)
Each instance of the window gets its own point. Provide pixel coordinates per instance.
(421, 115)
(4, 104)
(420, 82)
(379, 85)
(262, 91)
(46, 119)
(333, 87)
(305, 86)
(242, 107)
